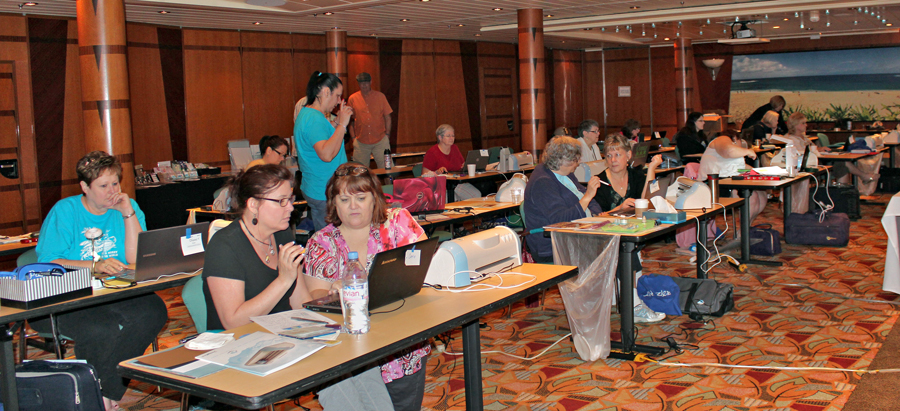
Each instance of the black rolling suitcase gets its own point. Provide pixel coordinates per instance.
(845, 197)
(58, 386)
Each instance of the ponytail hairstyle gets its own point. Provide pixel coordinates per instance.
(317, 81)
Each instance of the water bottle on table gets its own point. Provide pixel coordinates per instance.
(355, 296)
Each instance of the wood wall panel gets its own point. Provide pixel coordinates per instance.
(627, 67)
(450, 93)
(663, 69)
(266, 68)
(362, 56)
(568, 93)
(11, 220)
(149, 116)
(73, 135)
(593, 89)
(468, 51)
(309, 57)
(417, 120)
(213, 94)
(495, 58)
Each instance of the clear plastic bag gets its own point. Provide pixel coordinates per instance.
(588, 298)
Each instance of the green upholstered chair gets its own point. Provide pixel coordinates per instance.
(192, 294)
(417, 170)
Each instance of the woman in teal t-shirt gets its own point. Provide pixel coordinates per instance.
(109, 333)
(320, 145)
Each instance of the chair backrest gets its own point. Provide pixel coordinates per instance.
(417, 170)
(494, 154)
(192, 294)
(388, 189)
(666, 142)
(823, 140)
(28, 257)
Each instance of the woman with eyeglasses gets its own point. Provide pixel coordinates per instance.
(252, 266)
(625, 183)
(274, 150)
(360, 220)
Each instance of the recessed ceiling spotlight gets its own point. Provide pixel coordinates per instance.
(257, 23)
(889, 25)
(477, 34)
(776, 27)
(666, 39)
(460, 25)
(548, 15)
(634, 7)
(423, 1)
(372, 34)
(335, 28)
(328, 13)
(163, 12)
(588, 28)
(30, 3)
(497, 8)
(404, 19)
(785, 19)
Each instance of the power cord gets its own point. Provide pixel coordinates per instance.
(448, 352)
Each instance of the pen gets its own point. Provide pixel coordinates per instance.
(308, 338)
(309, 321)
(188, 338)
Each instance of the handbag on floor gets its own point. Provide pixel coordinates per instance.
(58, 386)
(832, 230)
(704, 297)
(844, 196)
(770, 240)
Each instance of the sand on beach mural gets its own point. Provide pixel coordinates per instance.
(834, 85)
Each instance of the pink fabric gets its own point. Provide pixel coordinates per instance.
(692, 170)
(327, 255)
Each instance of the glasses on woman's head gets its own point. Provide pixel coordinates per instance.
(281, 201)
(283, 155)
(351, 171)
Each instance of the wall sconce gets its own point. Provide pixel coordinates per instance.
(713, 65)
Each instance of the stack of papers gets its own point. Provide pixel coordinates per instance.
(261, 353)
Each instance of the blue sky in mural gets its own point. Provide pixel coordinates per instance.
(817, 63)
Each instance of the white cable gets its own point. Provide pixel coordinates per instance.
(515, 356)
(168, 275)
(485, 287)
(718, 258)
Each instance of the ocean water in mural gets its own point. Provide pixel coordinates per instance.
(857, 84)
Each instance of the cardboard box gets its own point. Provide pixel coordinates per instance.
(47, 290)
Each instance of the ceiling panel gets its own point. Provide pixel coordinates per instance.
(566, 28)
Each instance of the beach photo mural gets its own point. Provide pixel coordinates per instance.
(834, 85)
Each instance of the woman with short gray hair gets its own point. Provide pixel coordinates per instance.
(553, 194)
(444, 157)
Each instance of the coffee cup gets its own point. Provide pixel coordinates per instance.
(471, 168)
(640, 205)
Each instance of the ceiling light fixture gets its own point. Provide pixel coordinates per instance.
(666, 39)
(548, 16)
(328, 13)
(785, 19)
(634, 7)
(587, 29)
(257, 23)
(372, 34)
(889, 25)
(497, 9)
(776, 27)
(163, 12)
(30, 4)
(460, 25)
(404, 19)
(477, 34)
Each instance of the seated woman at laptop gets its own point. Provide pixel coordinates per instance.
(691, 139)
(273, 149)
(553, 194)
(444, 157)
(724, 157)
(360, 220)
(625, 183)
(252, 266)
(109, 333)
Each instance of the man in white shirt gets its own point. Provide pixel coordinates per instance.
(588, 135)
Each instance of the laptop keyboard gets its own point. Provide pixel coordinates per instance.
(126, 275)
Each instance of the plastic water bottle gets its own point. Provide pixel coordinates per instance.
(355, 296)
(790, 160)
(388, 161)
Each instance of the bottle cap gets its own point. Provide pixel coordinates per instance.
(353, 255)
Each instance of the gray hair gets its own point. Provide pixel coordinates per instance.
(586, 126)
(616, 140)
(771, 117)
(559, 151)
(441, 130)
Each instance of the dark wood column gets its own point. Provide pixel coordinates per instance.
(532, 79)
(336, 55)
(686, 96)
(104, 82)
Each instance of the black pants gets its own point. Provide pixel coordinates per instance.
(407, 393)
(108, 334)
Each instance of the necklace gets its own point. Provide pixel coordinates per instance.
(269, 244)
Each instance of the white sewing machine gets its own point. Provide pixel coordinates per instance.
(585, 171)
(689, 194)
(460, 260)
(519, 160)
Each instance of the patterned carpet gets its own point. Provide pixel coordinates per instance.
(800, 317)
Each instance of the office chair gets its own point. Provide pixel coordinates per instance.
(192, 294)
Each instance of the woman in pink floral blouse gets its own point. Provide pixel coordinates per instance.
(359, 220)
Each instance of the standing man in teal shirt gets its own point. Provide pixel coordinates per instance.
(320, 145)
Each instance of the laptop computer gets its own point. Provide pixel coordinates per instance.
(639, 154)
(160, 252)
(479, 158)
(421, 195)
(390, 278)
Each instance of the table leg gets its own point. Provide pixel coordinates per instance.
(472, 365)
(787, 194)
(626, 295)
(451, 195)
(702, 253)
(8, 392)
(891, 157)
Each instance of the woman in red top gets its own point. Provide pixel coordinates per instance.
(444, 157)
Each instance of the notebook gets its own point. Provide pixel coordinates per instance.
(479, 158)
(639, 154)
(160, 252)
(390, 277)
(421, 195)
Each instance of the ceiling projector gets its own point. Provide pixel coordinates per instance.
(745, 32)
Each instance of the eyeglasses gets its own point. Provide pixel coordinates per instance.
(594, 131)
(283, 155)
(352, 171)
(281, 201)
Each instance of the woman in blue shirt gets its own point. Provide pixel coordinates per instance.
(109, 333)
(320, 145)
